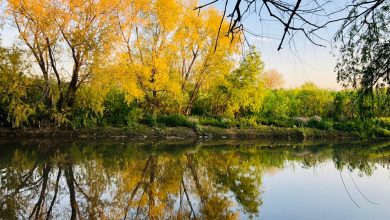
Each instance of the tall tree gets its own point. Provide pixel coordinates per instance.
(31, 19)
(203, 64)
(241, 90)
(273, 79)
(61, 32)
(169, 52)
(364, 62)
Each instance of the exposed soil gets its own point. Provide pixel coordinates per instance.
(179, 133)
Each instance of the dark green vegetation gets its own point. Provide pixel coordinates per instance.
(241, 103)
(76, 74)
(365, 46)
(365, 115)
(48, 179)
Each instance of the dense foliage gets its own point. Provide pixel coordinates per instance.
(240, 99)
(155, 62)
(364, 62)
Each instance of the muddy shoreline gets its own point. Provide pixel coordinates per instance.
(140, 133)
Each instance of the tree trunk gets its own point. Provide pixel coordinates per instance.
(72, 192)
(193, 97)
(153, 169)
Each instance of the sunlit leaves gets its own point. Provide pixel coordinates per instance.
(170, 53)
(61, 32)
(13, 88)
(161, 53)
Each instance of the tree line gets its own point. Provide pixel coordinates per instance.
(121, 63)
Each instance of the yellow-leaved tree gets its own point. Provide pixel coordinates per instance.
(170, 51)
(66, 38)
(203, 63)
(161, 52)
(34, 22)
(151, 57)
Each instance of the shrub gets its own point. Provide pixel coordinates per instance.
(384, 122)
(149, 119)
(134, 116)
(82, 119)
(326, 125)
(201, 107)
(320, 124)
(217, 122)
(15, 108)
(316, 118)
(176, 120)
(314, 122)
(300, 121)
(193, 119)
(118, 112)
(247, 122)
(276, 121)
(3, 118)
(381, 132)
(352, 125)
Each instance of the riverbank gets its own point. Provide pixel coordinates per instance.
(142, 132)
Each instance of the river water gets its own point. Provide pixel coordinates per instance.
(52, 179)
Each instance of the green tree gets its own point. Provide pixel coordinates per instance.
(364, 61)
(14, 108)
(241, 92)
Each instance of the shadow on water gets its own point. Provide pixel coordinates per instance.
(213, 180)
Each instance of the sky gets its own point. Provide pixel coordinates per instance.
(307, 62)
(298, 62)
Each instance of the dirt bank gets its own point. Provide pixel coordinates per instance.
(179, 133)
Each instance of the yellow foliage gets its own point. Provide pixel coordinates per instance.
(172, 54)
(168, 12)
(13, 87)
(161, 52)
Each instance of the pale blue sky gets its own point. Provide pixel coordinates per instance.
(301, 62)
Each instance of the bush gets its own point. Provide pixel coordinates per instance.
(217, 122)
(326, 125)
(300, 121)
(314, 122)
(134, 116)
(16, 110)
(276, 121)
(3, 118)
(381, 132)
(61, 118)
(149, 120)
(176, 120)
(81, 119)
(201, 107)
(384, 122)
(317, 122)
(247, 122)
(118, 112)
(352, 125)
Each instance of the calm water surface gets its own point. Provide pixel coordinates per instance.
(101, 180)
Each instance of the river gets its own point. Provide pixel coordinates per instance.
(53, 179)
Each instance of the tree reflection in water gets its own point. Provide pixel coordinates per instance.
(117, 181)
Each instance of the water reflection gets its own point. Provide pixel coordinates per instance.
(47, 180)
